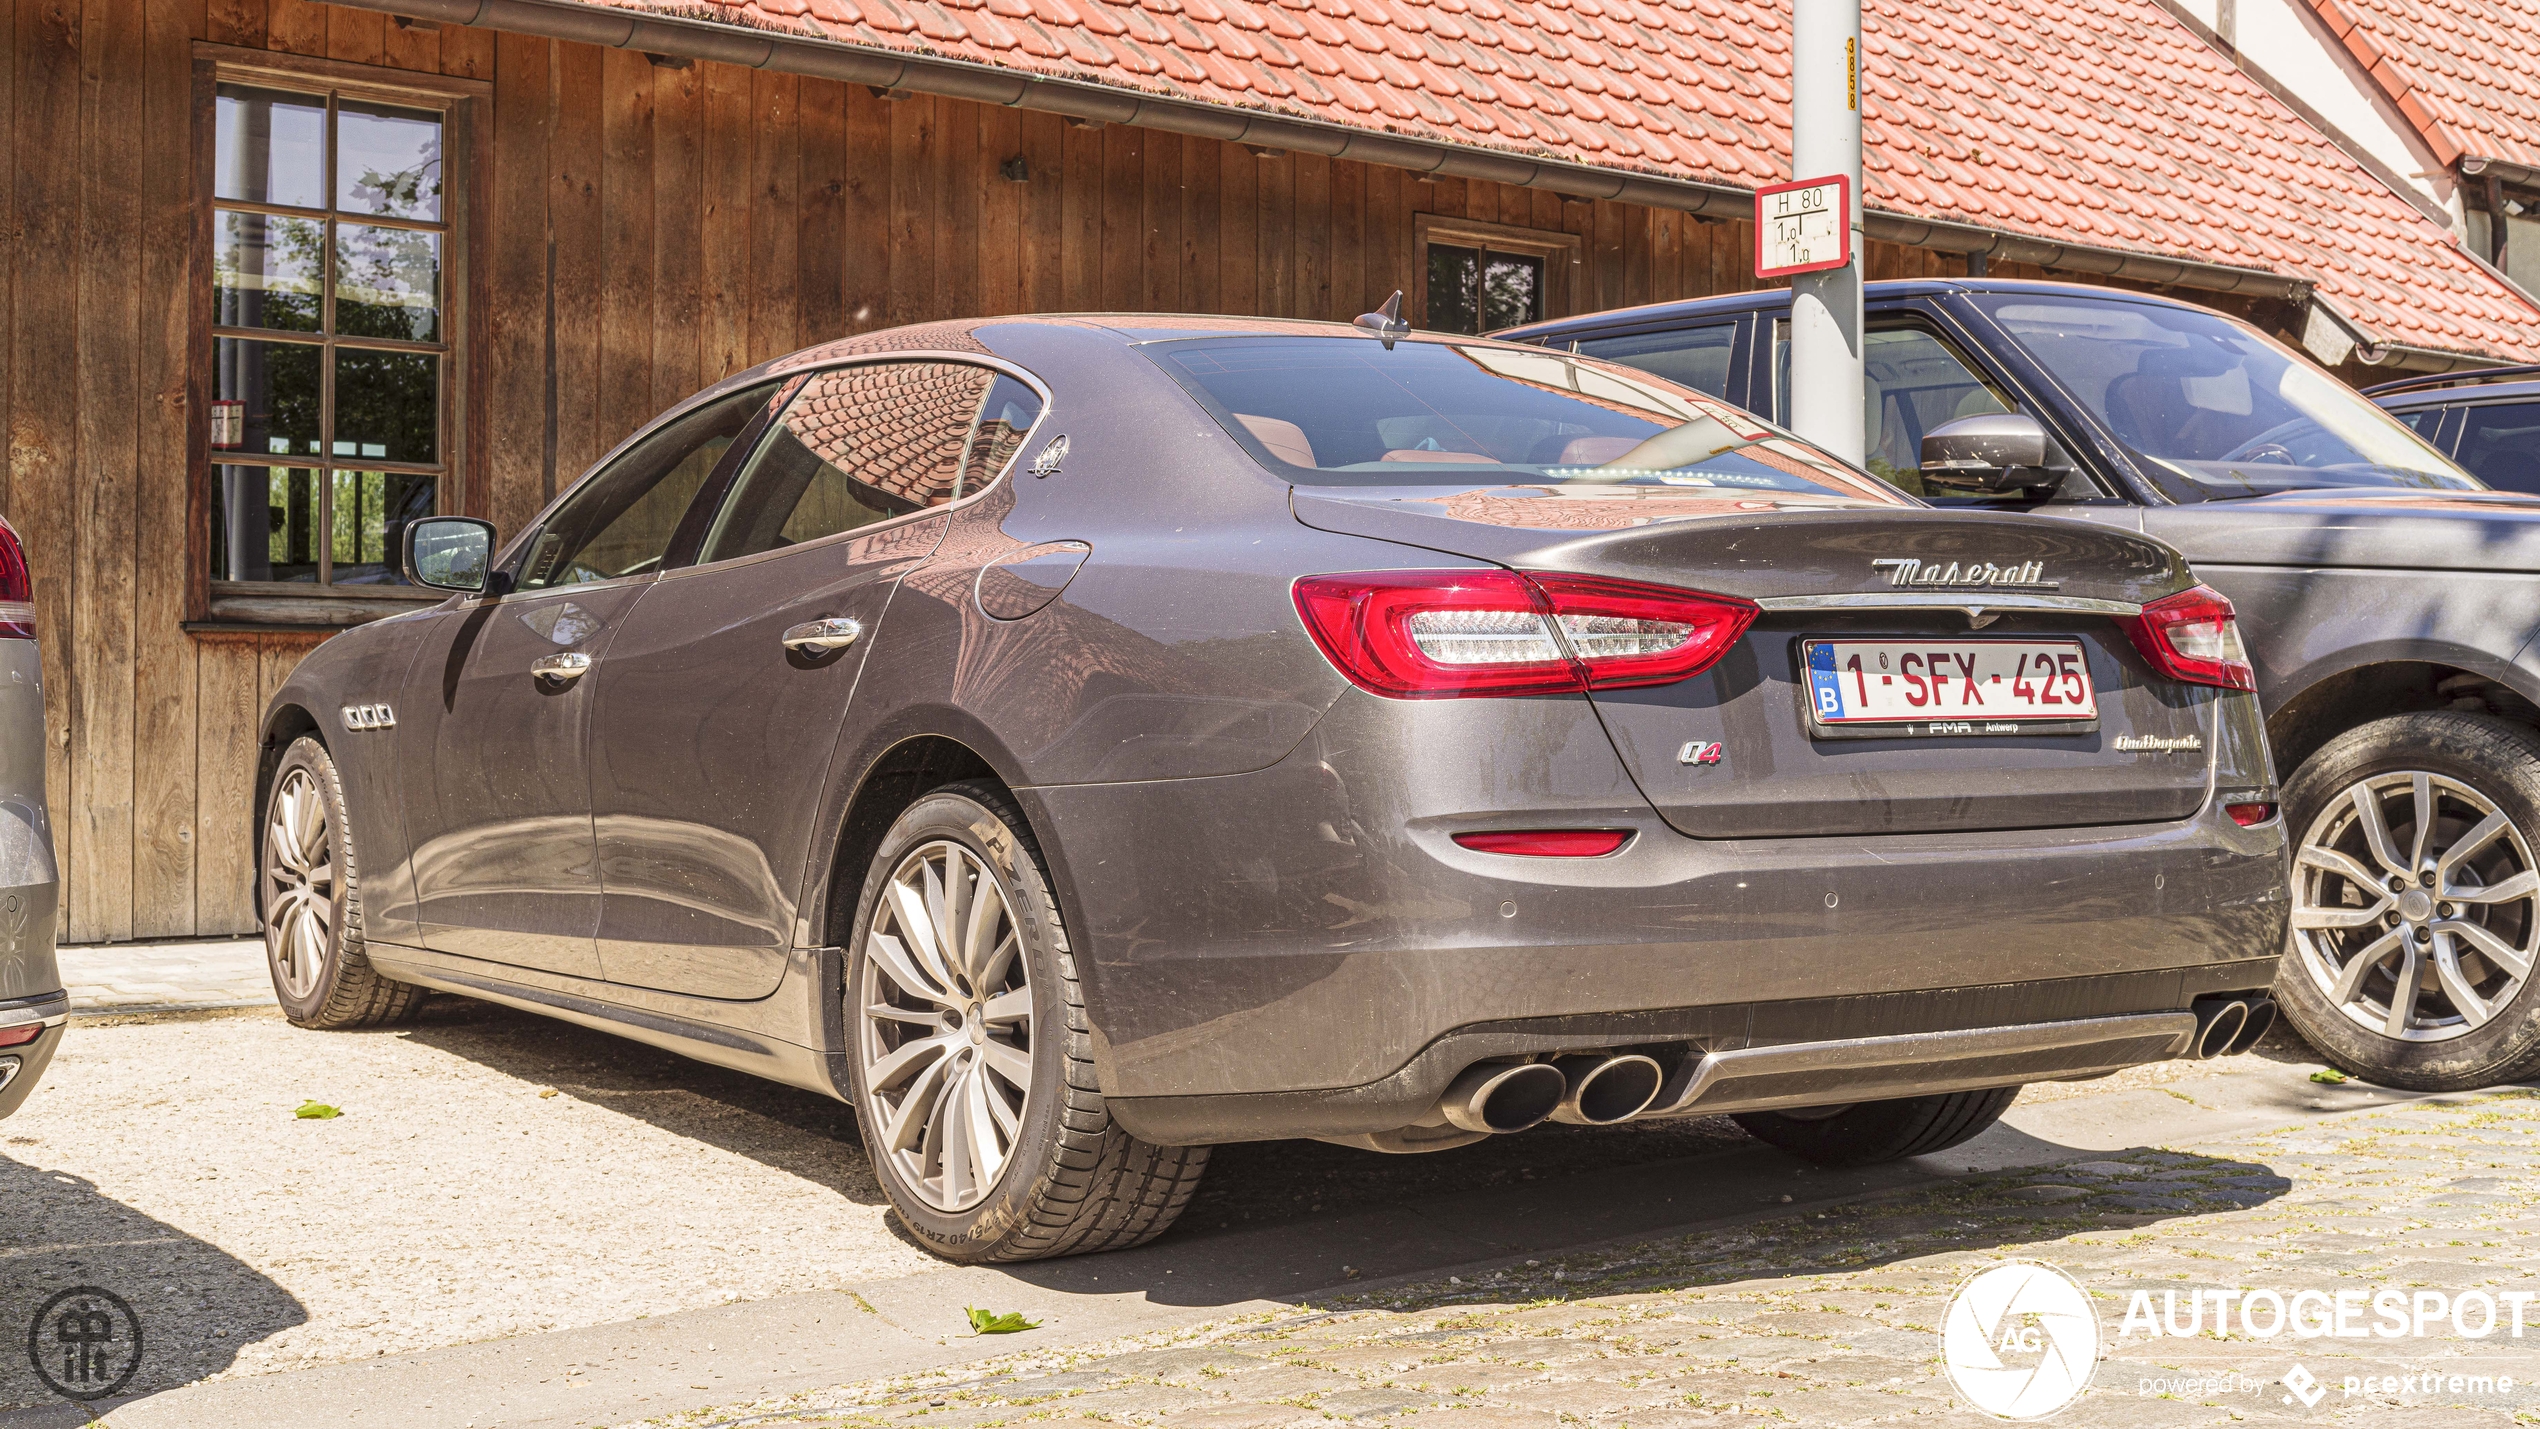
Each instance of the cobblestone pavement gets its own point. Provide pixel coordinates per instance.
(1830, 1318)
(110, 979)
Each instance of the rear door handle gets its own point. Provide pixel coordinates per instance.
(819, 637)
(561, 669)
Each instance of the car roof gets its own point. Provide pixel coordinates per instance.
(1651, 315)
(2467, 394)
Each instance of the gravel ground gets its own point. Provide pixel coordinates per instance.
(1829, 1318)
(495, 1173)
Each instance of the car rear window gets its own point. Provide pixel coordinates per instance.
(1347, 411)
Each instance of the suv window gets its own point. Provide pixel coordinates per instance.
(1913, 380)
(863, 444)
(1695, 357)
(621, 520)
(2500, 444)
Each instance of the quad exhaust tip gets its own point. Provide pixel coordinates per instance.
(1499, 1097)
(2261, 1018)
(2220, 1021)
(1603, 1090)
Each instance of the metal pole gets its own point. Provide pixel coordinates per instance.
(1826, 389)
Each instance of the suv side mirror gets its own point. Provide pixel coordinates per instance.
(1992, 455)
(450, 552)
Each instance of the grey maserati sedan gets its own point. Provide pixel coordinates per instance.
(1079, 741)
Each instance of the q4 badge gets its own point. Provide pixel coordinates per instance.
(1699, 751)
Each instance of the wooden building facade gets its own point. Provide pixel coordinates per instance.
(615, 230)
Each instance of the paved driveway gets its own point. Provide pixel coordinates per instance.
(519, 1222)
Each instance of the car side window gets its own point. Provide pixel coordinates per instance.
(865, 443)
(1913, 380)
(1695, 357)
(2500, 444)
(621, 521)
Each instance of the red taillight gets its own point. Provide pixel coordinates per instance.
(15, 1036)
(17, 587)
(1548, 843)
(2249, 816)
(2191, 636)
(1419, 635)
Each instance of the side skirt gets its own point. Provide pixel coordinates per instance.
(791, 1036)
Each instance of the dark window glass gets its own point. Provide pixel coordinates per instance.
(1695, 357)
(862, 444)
(1004, 421)
(620, 520)
(1473, 290)
(359, 264)
(387, 405)
(265, 523)
(266, 397)
(2426, 422)
(1345, 411)
(2500, 444)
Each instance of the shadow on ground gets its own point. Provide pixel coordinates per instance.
(62, 1233)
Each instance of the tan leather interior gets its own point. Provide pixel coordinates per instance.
(1595, 451)
(1423, 454)
(1286, 440)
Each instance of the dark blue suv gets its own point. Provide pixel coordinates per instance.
(2487, 421)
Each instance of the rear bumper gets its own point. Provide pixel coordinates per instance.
(23, 1065)
(1305, 950)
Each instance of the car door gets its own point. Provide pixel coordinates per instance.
(494, 722)
(725, 689)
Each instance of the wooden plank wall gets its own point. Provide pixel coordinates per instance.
(652, 230)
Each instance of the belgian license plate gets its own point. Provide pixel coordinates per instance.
(1886, 688)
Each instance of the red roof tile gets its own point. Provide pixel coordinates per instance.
(2465, 72)
(2098, 122)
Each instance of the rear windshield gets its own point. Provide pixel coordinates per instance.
(1344, 411)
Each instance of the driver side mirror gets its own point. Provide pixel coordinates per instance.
(450, 553)
(1992, 455)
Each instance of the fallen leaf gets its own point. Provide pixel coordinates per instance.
(2328, 1076)
(984, 1323)
(545, 1092)
(316, 1111)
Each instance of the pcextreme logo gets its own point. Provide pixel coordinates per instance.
(2020, 1340)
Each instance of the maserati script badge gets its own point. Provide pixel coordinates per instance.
(1964, 575)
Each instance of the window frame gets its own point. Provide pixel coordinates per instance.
(463, 473)
(1562, 253)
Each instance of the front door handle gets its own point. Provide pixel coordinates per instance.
(819, 637)
(560, 670)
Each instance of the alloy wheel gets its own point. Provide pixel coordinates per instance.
(945, 998)
(299, 885)
(2416, 906)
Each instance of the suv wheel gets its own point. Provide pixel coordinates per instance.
(312, 900)
(972, 1067)
(1866, 1133)
(2416, 901)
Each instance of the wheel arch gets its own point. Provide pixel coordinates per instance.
(2358, 694)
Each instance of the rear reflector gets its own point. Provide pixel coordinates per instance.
(17, 590)
(2192, 637)
(1420, 635)
(2249, 816)
(17, 1036)
(1548, 843)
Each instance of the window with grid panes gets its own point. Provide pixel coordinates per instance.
(330, 331)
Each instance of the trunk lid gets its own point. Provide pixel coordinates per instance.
(1845, 571)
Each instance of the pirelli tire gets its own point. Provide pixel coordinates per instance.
(309, 896)
(971, 1057)
(1866, 1133)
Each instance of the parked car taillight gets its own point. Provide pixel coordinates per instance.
(1418, 635)
(17, 587)
(2191, 636)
